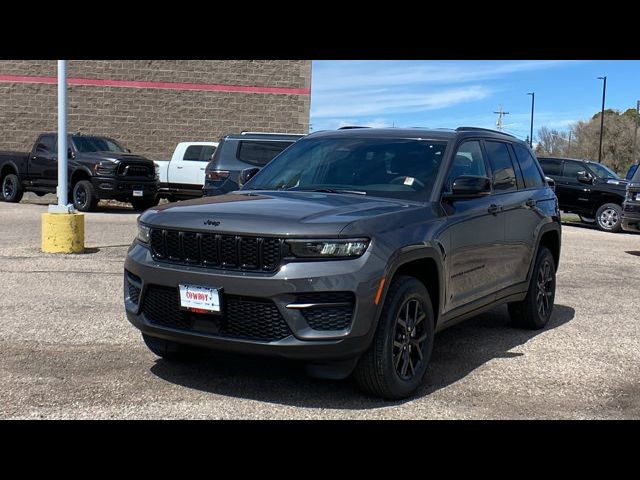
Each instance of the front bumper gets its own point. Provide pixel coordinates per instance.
(631, 216)
(115, 188)
(360, 276)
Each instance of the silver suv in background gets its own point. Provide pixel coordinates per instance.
(241, 151)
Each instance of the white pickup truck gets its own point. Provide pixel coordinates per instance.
(183, 176)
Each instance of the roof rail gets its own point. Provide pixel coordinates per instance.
(347, 127)
(245, 132)
(471, 129)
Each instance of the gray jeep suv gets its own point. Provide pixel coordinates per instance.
(349, 251)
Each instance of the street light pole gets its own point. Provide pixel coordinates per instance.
(533, 99)
(604, 92)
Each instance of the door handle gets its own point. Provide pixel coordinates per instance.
(531, 202)
(494, 209)
(202, 169)
(55, 159)
(179, 168)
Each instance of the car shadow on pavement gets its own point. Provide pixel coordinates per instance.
(458, 351)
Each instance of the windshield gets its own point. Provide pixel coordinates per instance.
(603, 171)
(97, 144)
(397, 168)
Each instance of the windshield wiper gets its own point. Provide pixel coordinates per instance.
(326, 190)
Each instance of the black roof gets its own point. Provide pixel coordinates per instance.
(264, 136)
(415, 133)
(566, 158)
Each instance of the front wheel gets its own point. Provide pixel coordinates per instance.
(84, 196)
(535, 310)
(609, 217)
(396, 362)
(12, 189)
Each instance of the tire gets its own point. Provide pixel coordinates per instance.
(84, 196)
(380, 369)
(535, 310)
(144, 203)
(609, 217)
(12, 189)
(170, 351)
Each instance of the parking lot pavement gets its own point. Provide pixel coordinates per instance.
(67, 350)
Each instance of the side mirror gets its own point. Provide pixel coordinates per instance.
(127, 150)
(551, 182)
(469, 186)
(70, 154)
(246, 175)
(584, 177)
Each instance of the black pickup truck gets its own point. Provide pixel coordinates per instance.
(589, 189)
(98, 168)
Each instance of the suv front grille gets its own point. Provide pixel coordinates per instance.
(217, 251)
(243, 317)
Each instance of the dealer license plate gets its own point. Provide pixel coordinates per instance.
(197, 298)
(137, 193)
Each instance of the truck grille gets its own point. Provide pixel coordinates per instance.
(243, 317)
(217, 251)
(133, 170)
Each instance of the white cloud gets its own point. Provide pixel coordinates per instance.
(366, 103)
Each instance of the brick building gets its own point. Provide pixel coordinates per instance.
(151, 105)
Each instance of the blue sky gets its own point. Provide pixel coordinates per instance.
(447, 94)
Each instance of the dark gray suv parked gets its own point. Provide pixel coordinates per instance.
(239, 152)
(349, 251)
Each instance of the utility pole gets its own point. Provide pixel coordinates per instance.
(500, 114)
(533, 99)
(604, 92)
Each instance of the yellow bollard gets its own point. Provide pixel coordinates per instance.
(62, 232)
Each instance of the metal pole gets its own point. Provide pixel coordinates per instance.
(62, 133)
(533, 99)
(604, 92)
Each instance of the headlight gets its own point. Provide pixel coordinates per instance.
(144, 233)
(348, 248)
(105, 168)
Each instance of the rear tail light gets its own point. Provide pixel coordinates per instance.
(217, 175)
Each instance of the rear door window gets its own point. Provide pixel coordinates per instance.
(259, 153)
(199, 153)
(551, 166)
(530, 171)
(504, 174)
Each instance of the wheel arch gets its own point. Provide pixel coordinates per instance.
(550, 236)
(423, 263)
(7, 169)
(81, 173)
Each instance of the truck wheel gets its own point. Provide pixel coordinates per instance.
(396, 362)
(12, 189)
(535, 310)
(609, 217)
(169, 350)
(144, 203)
(84, 196)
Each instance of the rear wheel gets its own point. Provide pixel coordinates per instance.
(609, 217)
(84, 196)
(396, 362)
(169, 350)
(535, 310)
(144, 203)
(12, 189)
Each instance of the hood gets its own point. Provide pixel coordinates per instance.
(273, 213)
(113, 156)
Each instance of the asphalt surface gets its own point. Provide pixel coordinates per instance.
(67, 350)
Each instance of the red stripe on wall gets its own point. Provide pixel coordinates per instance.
(157, 85)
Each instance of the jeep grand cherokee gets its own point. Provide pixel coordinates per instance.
(349, 251)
